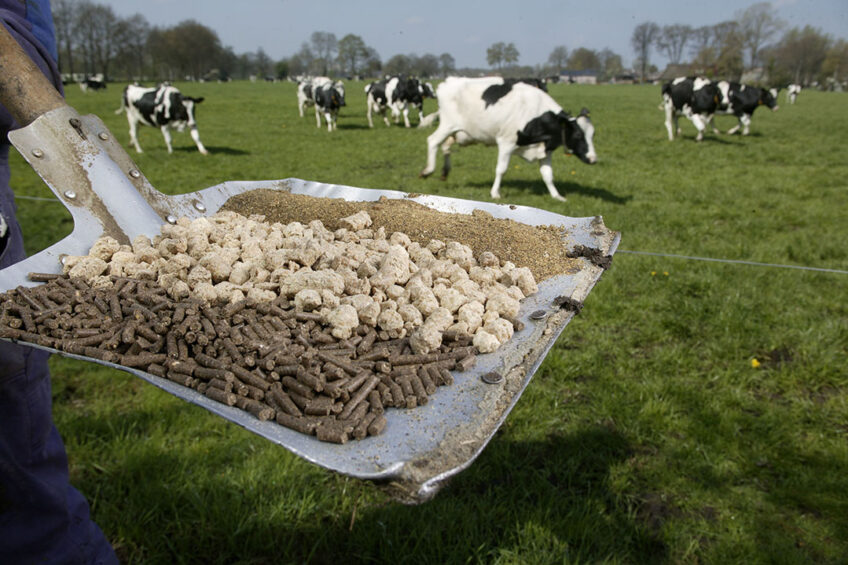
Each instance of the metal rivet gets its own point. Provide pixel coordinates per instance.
(134, 173)
(171, 219)
(492, 378)
(38, 153)
(103, 135)
(200, 207)
(538, 315)
(70, 194)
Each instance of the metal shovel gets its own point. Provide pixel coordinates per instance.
(98, 182)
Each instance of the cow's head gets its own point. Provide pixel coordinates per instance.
(578, 135)
(188, 107)
(768, 98)
(340, 89)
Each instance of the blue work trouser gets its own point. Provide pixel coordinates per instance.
(43, 519)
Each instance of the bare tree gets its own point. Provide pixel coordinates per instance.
(132, 50)
(324, 46)
(642, 39)
(672, 40)
(758, 24)
(610, 62)
(98, 36)
(802, 52)
(835, 65)
(558, 57)
(447, 64)
(352, 53)
(427, 65)
(64, 20)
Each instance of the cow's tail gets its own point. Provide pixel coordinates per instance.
(428, 121)
(123, 102)
(666, 95)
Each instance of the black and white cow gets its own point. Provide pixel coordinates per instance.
(742, 101)
(516, 117)
(697, 98)
(792, 92)
(306, 89)
(164, 107)
(396, 94)
(329, 98)
(94, 82)
(305, 98)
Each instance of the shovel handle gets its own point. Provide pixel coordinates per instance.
(24, 90)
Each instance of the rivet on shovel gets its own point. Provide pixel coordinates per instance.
(171, 219)
(103, 135)
(492, 378)
(134, 173)
(38, 153)
(70, 194)
(200, 207)
(538, 315)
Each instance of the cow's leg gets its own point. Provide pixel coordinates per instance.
(446, 153)
(167, 135)
(711, 123)
(735, 128)
(300, 107)
(699, 125)
(670, 118)
(406, 117)
(548, 176)
(317, 116)
(504, 153)
(134, 133)
(370, 122)
(746, 123)
(434, 140)
(195, 135)
(386, 119)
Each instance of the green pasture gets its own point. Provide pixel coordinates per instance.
(694, 412)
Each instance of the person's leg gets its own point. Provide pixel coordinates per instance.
(43, 519)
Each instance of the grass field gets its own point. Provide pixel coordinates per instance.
(649, 435)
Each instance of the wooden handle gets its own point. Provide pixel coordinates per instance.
(24, 90)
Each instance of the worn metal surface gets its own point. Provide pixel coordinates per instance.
(420, 448)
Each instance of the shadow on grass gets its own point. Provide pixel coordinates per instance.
(353, 126)
(565, 188)
(213, 150)
(219, 503)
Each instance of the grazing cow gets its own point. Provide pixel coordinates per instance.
(164, 107)
(742, 100)
(516, 117)
(792, 92)
(328, 99)
(697, 98)
(397, 94)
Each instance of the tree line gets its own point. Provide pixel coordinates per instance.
(755, 39)
(92, 39)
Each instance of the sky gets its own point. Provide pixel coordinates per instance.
(463, 28)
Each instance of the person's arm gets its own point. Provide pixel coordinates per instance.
(24, 90)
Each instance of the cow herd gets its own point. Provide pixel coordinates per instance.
(518, 116)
